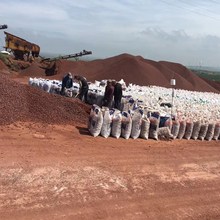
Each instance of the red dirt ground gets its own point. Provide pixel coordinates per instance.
(61, 172)
(52, 169)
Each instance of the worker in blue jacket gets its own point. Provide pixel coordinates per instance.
(67, 82)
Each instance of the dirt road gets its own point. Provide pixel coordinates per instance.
(57, 172)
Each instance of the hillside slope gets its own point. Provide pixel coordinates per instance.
(133, 69)
(137, 70)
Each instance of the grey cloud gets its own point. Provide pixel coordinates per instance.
(112, 27)
(159, 34)
(178, 46)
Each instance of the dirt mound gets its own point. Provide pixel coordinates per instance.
(33, 70)
(136, 70)
(4, 69)
(24, 103)
(186, 79)
(214, 84)
(2, 66)
(133, 69)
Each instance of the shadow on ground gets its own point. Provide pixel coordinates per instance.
(83, 130)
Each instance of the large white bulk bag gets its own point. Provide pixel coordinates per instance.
(136, 124)
(182, 129)
(55, 89)
(125, 105)
(189, 130)
(46, 86)
(35, 82)
(95, 120)
(116, 124)
(216, 131)
(203, 131)
(210, 132)
(145, 126)
(175, 129)
(30, 81)
(107, 122)
(126, 125)
(129, 104)
(41, 83)
(68, 92)
(196, 129)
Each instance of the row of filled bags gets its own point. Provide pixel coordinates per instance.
(139, 124)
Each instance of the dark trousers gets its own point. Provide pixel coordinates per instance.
(83, 94)
(107, 103)
(117, 103)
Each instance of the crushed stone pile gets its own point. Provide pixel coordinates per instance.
(24, 103)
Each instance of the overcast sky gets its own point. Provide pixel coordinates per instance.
(183, 31)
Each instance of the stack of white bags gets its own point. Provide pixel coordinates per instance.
(139, 124)
(196, 114)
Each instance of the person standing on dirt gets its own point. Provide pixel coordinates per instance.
(67, 82)
(108, 95)
(83, 89)
(117, 95)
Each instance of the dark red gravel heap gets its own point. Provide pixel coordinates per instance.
(137, 70)
(24, 103)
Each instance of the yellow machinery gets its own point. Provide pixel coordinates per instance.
(20, 47)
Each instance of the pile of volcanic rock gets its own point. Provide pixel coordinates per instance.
(27, 104)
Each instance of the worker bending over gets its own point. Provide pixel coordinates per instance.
(83, 89)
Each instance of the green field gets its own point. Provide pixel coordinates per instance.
(211, 75)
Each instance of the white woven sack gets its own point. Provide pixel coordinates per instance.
(196, 129)
(182, 129)
(126, 125)
(107, 123)
(210, 132)
(216, 132)
(203, 131)
(154, 125)
(95, 121)
(175, 129)
(145, 126)
(189, 130)
(116, 124)
(91, 114)
(46, 86)
(136, 124)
